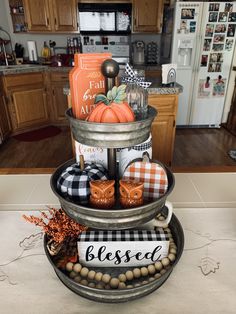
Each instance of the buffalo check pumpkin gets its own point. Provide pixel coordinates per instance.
(152, 174)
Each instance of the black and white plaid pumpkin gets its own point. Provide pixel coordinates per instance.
(74, 182)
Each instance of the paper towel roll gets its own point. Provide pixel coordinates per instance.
(32, 50)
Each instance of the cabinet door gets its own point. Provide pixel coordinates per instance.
(29, 108)
(37, 15)
(64, 13)
(59, 104)
(5, 126)
(163, 134)
(148, 15)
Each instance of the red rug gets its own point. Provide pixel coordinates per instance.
(38, 135)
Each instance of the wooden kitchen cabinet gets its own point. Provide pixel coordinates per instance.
(51, 16)
(27, 101)
(5, 125)
(163, 127)
(147, 16)
(105, 1)
(59, 104)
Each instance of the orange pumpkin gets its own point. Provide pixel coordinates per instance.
(112, 108)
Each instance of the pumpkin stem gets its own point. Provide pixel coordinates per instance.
(81, 162)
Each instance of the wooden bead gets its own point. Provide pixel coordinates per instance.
(98, 276)
(157, 275)
(92, 285)
(77, 278)
(121, 285)
(114, 283)
(171, 257)
(106, 278)
(158, 265)
(99, 286)
(84, 282)
(91, 274)
(84, 272)
(129, 286)
(151, 269)
(151, 279)
(161, 218)
(173, 251)
(168, 230)
(122, 278)
(72, 274)
(163, 271)
(107, 287)
(137, 273)
(77, 267)
(144, 282)
(129, 275)
(69, 266)
(137, 285)
(144, 271)
(165, 261)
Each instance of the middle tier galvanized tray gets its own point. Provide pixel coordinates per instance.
(110, 219)
(111, 135)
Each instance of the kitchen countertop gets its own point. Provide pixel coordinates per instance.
(155, 88)
(204, 280)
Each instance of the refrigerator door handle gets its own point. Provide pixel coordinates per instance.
(197, 55)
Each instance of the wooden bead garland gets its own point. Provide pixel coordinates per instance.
(82, 274)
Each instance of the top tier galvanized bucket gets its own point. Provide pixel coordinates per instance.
(111, 135)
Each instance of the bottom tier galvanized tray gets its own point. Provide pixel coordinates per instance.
(124, 295)
(111, 219)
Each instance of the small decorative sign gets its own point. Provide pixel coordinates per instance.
(122, 248)
(92, 154)
(169, 73)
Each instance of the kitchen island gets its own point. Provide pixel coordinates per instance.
(33, 96)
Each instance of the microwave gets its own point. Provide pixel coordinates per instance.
(105, 18)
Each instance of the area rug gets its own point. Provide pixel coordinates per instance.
(232, 154)
(38, 135)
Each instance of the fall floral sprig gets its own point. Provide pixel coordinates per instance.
(58, 226)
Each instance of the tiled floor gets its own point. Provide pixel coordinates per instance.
(29, 192)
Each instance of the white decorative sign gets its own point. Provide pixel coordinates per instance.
(93, 154)
(121, 248)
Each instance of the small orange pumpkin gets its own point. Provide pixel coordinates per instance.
(112, 108)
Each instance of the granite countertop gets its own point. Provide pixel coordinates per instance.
(158, 88)
(28, 68)
(203, 281)
(155, 88)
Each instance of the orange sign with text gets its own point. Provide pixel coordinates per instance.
(86, 81)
